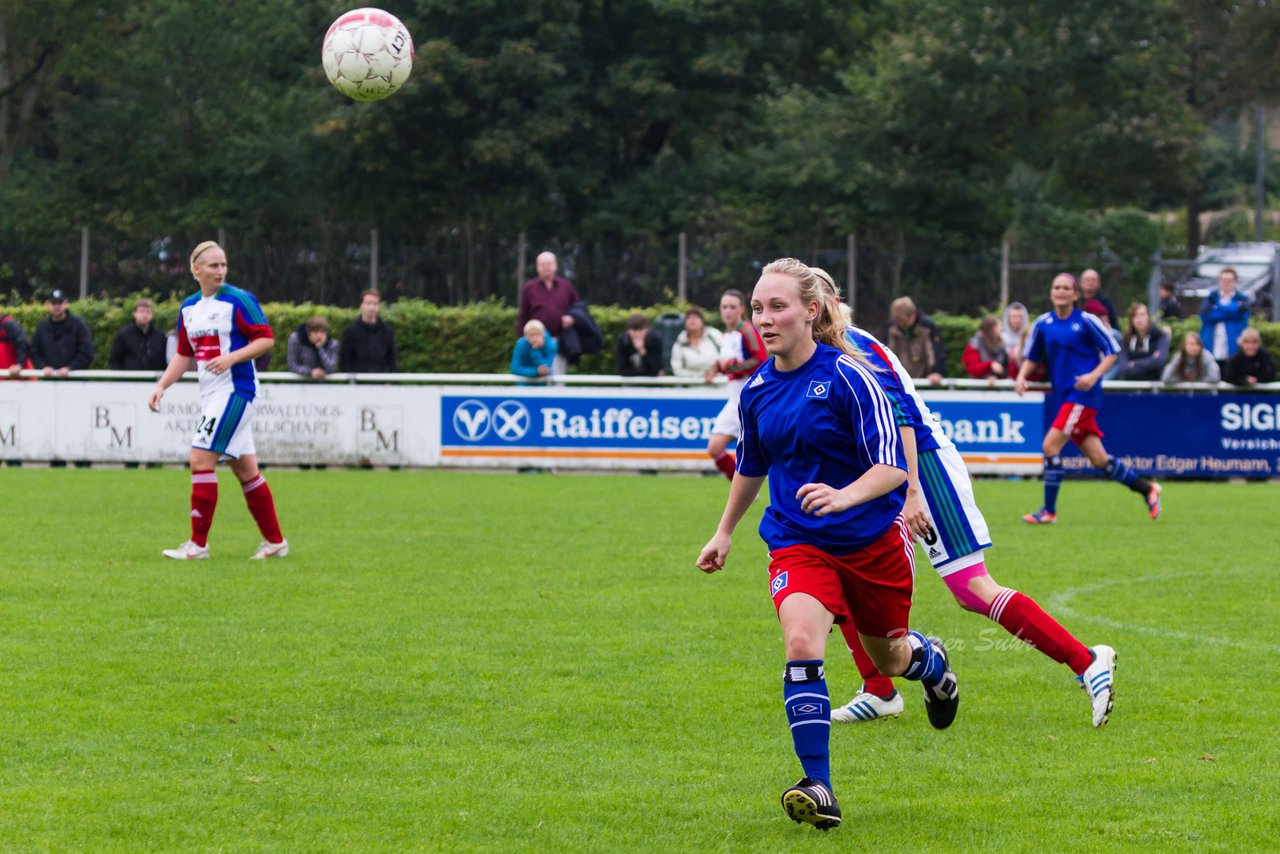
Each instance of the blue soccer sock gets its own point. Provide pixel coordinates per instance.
(926, 666)
(1120, 472)
(808, 705)
(1053, 474)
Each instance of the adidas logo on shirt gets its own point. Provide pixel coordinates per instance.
(758, 379)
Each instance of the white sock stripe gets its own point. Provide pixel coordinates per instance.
(205, 477)
(809, 694)
(799, 674)
(825, 723)
(254, 484)
(997, 604)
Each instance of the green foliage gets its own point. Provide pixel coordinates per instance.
(359, 696)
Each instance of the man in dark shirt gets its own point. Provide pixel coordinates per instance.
(62, 342)
(138, 346)
(547, 297)
(1091, 288)
(368, 344)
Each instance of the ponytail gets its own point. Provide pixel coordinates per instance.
(816, 285)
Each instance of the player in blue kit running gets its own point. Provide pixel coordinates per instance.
(817, 424)
(1078, 351)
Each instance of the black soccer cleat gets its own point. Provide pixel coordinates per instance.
(943, 699)
(811, 802)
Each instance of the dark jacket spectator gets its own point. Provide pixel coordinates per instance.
(62, 340)
(1251, 364)
(368, 344)
(1144, 349)
(985, 356)
(584, 337)
(140, 346)
(15, 354)
(312, 353)
(916, 341)
(639, 349)
(1091, 289)
(1170, 308)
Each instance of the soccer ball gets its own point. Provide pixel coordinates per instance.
(367, 54)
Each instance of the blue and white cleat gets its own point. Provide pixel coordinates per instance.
(868, 707)
(1098, 682)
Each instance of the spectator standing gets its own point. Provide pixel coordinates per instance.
(1015, 328)
(312, 353)
(1251, 364)
(1223, 316)
(1144, 348)
(985, 356)
(140, 346)
(62, 342)
(368, 343)
(15, 354)
(916, 341)
(639, 349)
(1091, 289)
(548, 297)
(697, 346)
(1170, 308)
(534, 353)
(1191, 364)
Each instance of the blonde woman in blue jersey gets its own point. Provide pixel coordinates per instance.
(222, 330)
(818, 425)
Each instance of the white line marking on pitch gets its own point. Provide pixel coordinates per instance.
(1058, 604)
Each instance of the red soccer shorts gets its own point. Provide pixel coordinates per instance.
(1077, 421)
(872, 587)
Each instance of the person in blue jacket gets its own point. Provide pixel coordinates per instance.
(1223, 316)
(534, 353)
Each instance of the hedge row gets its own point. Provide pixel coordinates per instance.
(474, 338)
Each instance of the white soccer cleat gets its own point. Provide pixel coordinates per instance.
(266, 550)
(1098, 682)
(867, 707)
(188, 551)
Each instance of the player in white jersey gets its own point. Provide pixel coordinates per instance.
(941, 511)
(741, 352)
(223, 330)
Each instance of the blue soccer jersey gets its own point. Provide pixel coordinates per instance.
(908, 405)
(828, 422)
(1070, 347)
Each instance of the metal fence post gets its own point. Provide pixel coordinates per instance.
(84, 261)
(522, 251)
(1153, 282)
(1275, 288)
(1004, 272)
(682, 268)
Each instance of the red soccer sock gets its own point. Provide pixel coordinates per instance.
(872, 680)
(204, 499)
(263, 507)
(727, 463)
(1021, 617)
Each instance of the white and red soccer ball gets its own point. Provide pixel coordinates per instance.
(367, 54)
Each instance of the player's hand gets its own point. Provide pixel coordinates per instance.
(220, 365)
(916, 514)
(712, 557)
(153, 402)
(821, 499)
(1084, 382)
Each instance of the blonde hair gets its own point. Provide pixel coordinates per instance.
(535, 325)
(817, 286)
(202, 248)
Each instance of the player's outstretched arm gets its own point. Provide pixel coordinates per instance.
(178, 366)
(742, 492)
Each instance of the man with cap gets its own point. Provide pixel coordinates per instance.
(62, 342)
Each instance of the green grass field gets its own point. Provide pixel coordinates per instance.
(453, 661)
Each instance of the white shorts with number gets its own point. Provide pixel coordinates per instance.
(727, 421)
(959, 530)
(226, 426)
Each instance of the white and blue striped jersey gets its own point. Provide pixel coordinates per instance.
(897, 383)
(828, 422)
(208, 327)
(1070, 347)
